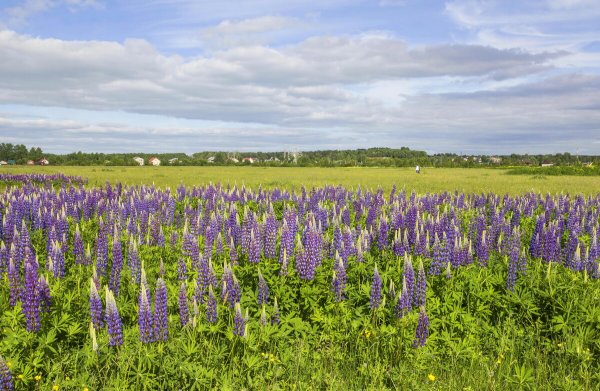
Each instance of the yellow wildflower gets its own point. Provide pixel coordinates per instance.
(55, 387)
(38, 377)
(21, 376)
(431, 377)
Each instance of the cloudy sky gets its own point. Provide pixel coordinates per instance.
(464, 76)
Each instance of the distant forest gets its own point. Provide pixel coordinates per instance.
(371, 157)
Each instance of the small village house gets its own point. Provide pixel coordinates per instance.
(139, 160)
(154, 161)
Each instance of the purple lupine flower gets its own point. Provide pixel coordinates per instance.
(181, 270)
(6, 380)
(338, 285)
(376, 285)
(403, 304)
(95, 306)
(31, 297)
(145, 316)
(231, 291)
(44, 294)
(101, 251)
(239, 322)
(14, 282)
(513, 260)
(184, 313)
(254, 248)
(161, 330)
(270, 236)
(275, 317)
(78, 248)
(482, 251)
(263, 289)
(58, 260)
(211, 306)
(113, 320)
(422, 329)
(117, 265)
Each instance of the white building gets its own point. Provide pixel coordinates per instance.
(154, 161)
(139, 160)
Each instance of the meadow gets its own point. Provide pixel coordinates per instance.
(453, 279)
(431, 180)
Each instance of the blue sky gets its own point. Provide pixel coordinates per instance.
(462, 76)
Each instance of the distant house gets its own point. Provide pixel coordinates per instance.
(139, 160)
(547, 164)
(30, 162)
(250, 160)
(174, 160)
(12, 162)
(3, 163)
(211, 159)
(232, 159)
(495, 159)
(43, 162)
(154, 161)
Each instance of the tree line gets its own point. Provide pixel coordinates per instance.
(370, 157)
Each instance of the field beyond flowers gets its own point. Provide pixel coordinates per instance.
(127, 286)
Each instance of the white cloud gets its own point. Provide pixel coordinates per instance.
(19, 14)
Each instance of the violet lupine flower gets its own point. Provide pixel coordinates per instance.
(376, 285)
(231, 291)
(6, 380)
(438, 258)
(78, 248)
(101, 252)
(145, 317)
(14, 283)
(113, 320)
(233, 254)
(254, 248)
(211, 306)
(58, 260)
(44, 294)
(403, 304)
(338, 285)
(184, 313)
(263, 289)
(270, 236)
(95, 306)
(422, 329)
(448, 270)
(161, 330)
(117, 265)
(239, 322)
(31, 297)
(275, 318)
(482, 251)
(181, 270)
(513, 261)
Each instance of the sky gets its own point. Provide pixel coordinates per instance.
(461, 76)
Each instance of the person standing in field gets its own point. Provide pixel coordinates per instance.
(418, 170)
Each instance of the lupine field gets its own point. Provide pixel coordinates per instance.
(137, 287)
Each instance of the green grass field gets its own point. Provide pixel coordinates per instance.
(429, 181)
